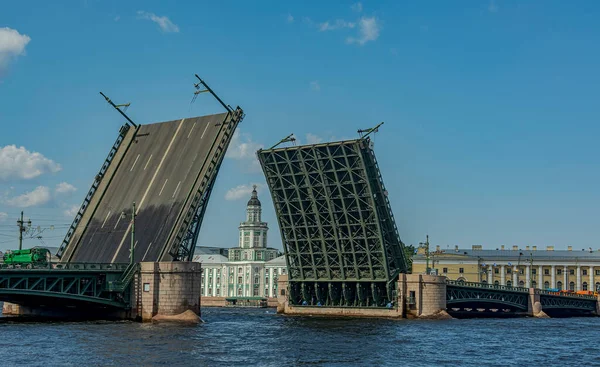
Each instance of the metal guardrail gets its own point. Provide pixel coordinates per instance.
(486, 286)
(518, 289)
(90, 266)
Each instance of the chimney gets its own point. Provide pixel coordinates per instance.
(549, 248)
(501, 247)
(527, 248)
(515, 248)
(569, 248)
(534, 248)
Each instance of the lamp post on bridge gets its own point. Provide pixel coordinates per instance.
(426, 246)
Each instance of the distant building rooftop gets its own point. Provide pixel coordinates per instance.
(509, 254)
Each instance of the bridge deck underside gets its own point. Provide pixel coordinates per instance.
(333, 212)
(158, 172)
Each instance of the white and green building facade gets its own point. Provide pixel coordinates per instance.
(251, 269)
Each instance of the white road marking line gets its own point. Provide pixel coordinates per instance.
(163, 187)
(136, 159)
(146, 253)
(192, 129)
(149, 158)
(204, 132)
(177, 188)
(105, 219)
(118, 220)
(149, 186)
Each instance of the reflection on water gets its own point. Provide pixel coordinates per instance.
(259, 337)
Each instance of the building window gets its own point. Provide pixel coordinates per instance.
(267, 280)
(210, 291)
(239, 291)
(571, 271)
(256, 270)
(546, 271)
(255, 292)
(496, 271)
(236, 255)
(259, 255)
(240, 270)
(264, 239)
(597, 286)
(496, 282)
(597, 272)
(584, 271)
(558, 271)
(461, 270)
(559, 285)
(445, 270)
(584, 286)
(572, 286)
(521, 271)
(218, 292)
(256, 280)
(546, 285)
(271, 256)
(509, 284)
(240, 280)
(521, 284)
(508, 270)
(146, 287)
(533, 284)
(245, 256)
(533, 271)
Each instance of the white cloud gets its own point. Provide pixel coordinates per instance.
(314, 85)
(72, 211)
(242, 146)
(12, 44)
(19, 163)
(164, 22)
(241, 192)
(357, 7)
(290, 18)
(39, 196)
(3, 216)
(338, 24)
(368, 30)
(313, 139)
(65, 188)
(492, 8)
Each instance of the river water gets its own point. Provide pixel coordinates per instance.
(259, 337)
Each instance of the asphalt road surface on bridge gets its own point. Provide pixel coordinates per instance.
(157, 172)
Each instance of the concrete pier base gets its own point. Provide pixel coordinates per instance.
(168, 289)
(422, 296)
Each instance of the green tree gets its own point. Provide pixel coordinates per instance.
(409, 251)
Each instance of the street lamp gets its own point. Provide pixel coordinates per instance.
(426, 245)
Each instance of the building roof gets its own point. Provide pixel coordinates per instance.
(254, 198)
(491, 255)
(210, 259)
(278, 261)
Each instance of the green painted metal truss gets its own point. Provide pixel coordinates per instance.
(460, 293)
(333, 212)
(572, 303)
(79, 284)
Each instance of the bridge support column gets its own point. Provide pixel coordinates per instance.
(534, 307)
(425, 294)
(169, 289)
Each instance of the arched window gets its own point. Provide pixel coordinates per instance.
(597, 286)
(484, 281)
(496, 282)
(572, 286)
(461, 280)
(559, 285)
(521, 283)
(239, 291)
(245, 256)
(584, 286)
(509, 284)
(546, 285)
(533, 284)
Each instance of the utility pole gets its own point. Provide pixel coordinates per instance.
(132, 258)
(21, 223)
(426, 244)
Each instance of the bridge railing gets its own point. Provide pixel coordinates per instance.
(486, 286)
(564, 294)
(89, 266)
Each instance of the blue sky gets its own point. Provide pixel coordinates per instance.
(490, 108)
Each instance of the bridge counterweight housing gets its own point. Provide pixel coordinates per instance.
(340, 240)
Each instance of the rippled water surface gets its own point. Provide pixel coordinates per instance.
(259, 337)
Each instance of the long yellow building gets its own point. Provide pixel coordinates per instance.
(577, 270)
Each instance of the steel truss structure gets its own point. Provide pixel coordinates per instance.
(87, 284)
(572, 303)
(340, 239)
(479, 296)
